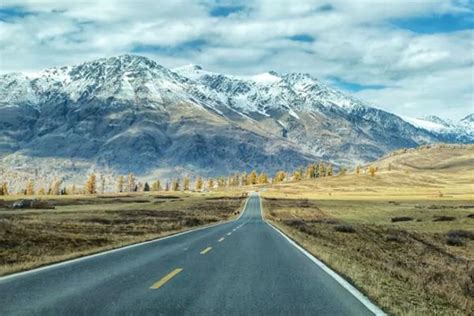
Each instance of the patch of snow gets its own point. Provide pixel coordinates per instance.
(430, 126)
(191, 71)
(281, 123)
(293, 113)
(264, 78)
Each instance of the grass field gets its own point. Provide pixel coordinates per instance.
(404, 237)
(80, 225)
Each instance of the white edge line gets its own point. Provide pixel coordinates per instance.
(349, 287)
(62, 263)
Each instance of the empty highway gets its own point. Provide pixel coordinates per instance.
(242, 267)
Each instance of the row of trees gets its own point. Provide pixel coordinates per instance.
(129, 183)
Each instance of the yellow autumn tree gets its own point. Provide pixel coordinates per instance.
(120, 181)
(199, 184)
(371, 171)
(41, 191)
(186, 184)
(243, 179)
(131, 186)
(55, 188)
(156, 186)
(4, 189)
(322, 170)
(280, 176)
(90, 187)
(296, 175)
(310, 171)
(262, 178)
(30, 188)
(210, 183)
(221, 182)
(252, 178)
(329, 171)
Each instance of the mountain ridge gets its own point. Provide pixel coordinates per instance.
(188, 120)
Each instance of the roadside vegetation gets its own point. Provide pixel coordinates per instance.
(400, 229)
(404, 236)
(64, 227)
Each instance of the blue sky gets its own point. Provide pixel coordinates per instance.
(412, 58)
(437, 23)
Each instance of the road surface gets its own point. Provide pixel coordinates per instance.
(242, 267)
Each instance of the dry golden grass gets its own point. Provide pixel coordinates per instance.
(404, 237)
(81, 225)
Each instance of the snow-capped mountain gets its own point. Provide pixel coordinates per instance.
(129, 113)
(461, 131)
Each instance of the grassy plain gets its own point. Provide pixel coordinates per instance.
(404, 237)
(81, 225)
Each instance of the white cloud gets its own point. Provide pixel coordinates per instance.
(354, 41)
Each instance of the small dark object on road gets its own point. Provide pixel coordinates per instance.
(443, 218)
(401, 219)
(344, 228)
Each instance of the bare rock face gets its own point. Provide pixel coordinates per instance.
(130, 114)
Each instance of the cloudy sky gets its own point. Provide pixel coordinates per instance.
(413, 58)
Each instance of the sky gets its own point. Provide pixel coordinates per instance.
(413, 58)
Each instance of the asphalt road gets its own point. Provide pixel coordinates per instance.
(243, 267)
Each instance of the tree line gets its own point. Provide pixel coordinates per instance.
(129, 183)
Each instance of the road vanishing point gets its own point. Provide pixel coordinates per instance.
(240, 267)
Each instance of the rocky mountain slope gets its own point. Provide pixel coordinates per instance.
(129, 113)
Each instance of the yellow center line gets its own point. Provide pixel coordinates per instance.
(206, 250)
(221, 239)
(166, 278)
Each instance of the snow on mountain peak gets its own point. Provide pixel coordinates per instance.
(142, 80)
(424, 124)
(264, 78)
(438, 126)
(468, 118)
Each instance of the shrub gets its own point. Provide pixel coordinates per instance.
(304, 203)
(470, 215)
(454, 241)
(344, 228)
(443, 218)
(395, 238)
(459, 233)
(402, 219)
(192, 221)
